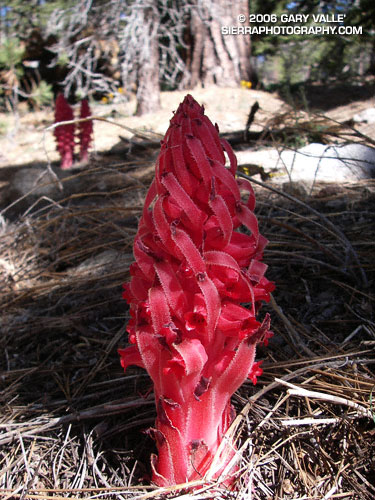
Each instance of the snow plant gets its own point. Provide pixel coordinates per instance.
(198, 260)
(85, 131)
(65, 134)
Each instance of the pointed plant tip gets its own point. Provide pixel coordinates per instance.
(194, 270)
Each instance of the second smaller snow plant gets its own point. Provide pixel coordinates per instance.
(195, 290)
(65, 134)
(85, 131)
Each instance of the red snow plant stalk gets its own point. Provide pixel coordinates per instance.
(85, 131)
(64, 133)
(193, 270)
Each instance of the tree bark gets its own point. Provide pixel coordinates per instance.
(148, 91)
(244, 44)
(216, 58)
(198, 35)
(371, 69)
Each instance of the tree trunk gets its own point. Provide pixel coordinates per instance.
(243, 43)
(198, 35)
(216, 58)
(148, 91)
(371, 69)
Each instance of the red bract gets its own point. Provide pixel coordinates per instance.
(194, 268)
(64, 133)
(85, 131)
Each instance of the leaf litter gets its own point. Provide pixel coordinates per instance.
(72, 425)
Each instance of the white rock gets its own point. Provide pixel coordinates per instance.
(266, 158)
(330, 163)
(367, 116)
(316, 162)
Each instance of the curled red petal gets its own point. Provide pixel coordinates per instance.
(189, 250)
(255, 372)
(159, 309)
(202, 127)
(172, 288)
(248, 219)
(183, 199)
(193, 355)
(246, 185)
(232, 157)
(221, 211)
(197, 151)
(130, 356)
(178, 160)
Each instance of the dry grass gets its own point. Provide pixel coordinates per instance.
(71, 422)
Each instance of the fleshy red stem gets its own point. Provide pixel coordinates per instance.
(195, 269)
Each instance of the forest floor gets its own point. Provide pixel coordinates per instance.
(72, 425)
(24, 140)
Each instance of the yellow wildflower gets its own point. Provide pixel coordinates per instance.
(245, 84)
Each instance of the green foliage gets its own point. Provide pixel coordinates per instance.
(3, 127)
(42, 94)
(62, 59)
(296, 58)
(21, 17)
(267, 44)
(11, 54)
(362, 14)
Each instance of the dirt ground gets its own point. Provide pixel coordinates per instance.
(27, 140)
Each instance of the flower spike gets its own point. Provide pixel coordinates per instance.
(64, 133)
(85, 131)
(194, 270)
